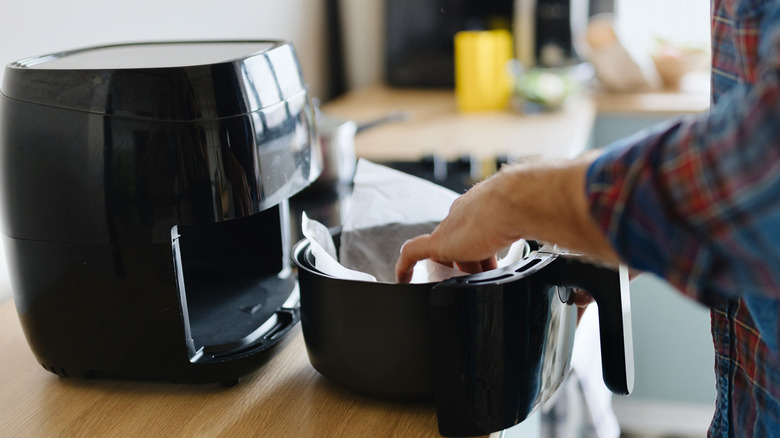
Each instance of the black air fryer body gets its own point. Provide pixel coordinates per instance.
(145, 193)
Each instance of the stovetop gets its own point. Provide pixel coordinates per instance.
(457, 175)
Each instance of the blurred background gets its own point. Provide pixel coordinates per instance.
(347, 44)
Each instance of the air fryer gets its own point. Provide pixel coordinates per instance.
(489, 348)
(145, 193)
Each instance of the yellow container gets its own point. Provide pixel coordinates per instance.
(482, 81)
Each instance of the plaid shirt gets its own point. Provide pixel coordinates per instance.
(697, 202)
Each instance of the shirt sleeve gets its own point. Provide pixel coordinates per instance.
(697, 200)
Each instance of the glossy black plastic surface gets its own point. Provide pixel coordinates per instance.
(491, 347)
(183, 81)
(376, 337)
(370, 337)
(118, 310)
(501, 348)
(610, 291)
(113, 179)
(145, 205)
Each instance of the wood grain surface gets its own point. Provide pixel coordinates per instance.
(284, 398)
(435, 126)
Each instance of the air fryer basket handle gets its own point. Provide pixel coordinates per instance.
(609, 288)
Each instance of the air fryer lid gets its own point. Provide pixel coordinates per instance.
(160, 80)
(158, 134)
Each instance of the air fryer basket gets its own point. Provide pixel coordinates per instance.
(371, 337)
(489, 347)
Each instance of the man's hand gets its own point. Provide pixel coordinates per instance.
(543, 200)
(469, 237)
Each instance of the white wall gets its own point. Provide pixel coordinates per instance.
(36, 27)
(685, 22)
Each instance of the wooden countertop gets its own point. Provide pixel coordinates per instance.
(436, 127)
(692, 95)
(284, 398)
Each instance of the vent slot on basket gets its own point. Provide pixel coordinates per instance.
(491, 279)
(528, 265)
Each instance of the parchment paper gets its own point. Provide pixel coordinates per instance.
(388, 208)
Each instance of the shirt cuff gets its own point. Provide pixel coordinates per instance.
(628, 200)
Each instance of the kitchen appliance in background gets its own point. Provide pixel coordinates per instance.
(419, 34)
(419, 47)
(145, 190)
(337, 143)
(546, 31)
(328, 198)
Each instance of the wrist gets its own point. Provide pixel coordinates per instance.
(547, 200)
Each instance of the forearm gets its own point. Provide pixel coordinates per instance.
(543, 200)
(549, 203)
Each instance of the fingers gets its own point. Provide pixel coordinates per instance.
(477, 267)
(419, 248)
(489, 264)
(447, 264)
(581, 298)
(469, 267)
(412, 252)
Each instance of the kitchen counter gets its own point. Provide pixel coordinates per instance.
(436, 127)
(666, 102)
(284, 398)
